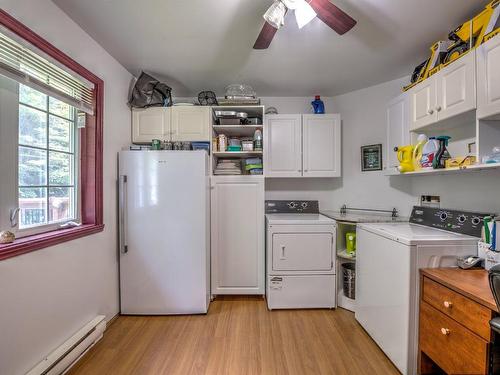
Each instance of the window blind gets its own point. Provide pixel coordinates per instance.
(24, 65)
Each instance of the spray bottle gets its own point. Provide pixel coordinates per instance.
(442, 155)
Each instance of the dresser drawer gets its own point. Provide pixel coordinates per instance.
(465, 311)
(450, 345)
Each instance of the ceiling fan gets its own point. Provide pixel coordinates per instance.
(305, 11)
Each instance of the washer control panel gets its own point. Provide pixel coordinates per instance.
(292, 207)
(469, 223)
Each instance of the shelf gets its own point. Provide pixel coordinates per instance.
(237, 130)
(252, 110)
(471, 168)
(343, 254)
(236, 154)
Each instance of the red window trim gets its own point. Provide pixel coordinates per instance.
(91, 154)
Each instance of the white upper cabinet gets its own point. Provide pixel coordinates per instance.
(302, 145)
(191, 123)
(283, 146)
(321, 142)
(456, 87)
(150, 123)
(448, 93)
(398, 124)
(423, 102)
(488, 79)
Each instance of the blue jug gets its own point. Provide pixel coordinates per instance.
(318, 105)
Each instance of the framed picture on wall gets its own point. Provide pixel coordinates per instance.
(371, 158)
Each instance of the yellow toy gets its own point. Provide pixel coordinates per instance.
(405, 157)
(474, 32)
(431, 65)
(464, 38)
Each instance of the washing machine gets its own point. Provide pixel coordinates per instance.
(388, 259)
(300, 256)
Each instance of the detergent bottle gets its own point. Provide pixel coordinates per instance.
(418, 151)
(405, 157)
(442, 155)
(318, 105)
(428, 152)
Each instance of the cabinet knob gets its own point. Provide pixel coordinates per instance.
(447, 304)
(430, 111)
(438, 108)
(445, 331)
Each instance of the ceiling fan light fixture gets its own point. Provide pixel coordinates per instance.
(275, 15)
(304, 13)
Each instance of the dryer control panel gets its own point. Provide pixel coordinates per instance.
(292, 207)
(463, 222)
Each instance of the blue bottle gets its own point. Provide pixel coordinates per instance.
(318, 105)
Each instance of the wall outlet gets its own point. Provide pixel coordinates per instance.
(430, 201)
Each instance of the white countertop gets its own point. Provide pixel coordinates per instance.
(362, 217)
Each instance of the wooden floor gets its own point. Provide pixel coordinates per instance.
(238, 336)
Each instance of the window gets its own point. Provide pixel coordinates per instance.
(51, 121)
(47, 178)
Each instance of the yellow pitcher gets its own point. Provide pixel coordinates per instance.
(405, 157)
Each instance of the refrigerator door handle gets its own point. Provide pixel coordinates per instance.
(121, 214)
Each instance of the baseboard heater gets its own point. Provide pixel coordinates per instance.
(65, 356)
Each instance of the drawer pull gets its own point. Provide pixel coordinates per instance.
(447, 304)
(445, 331)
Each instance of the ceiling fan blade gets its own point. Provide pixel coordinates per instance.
(334, 17)
(265, 37)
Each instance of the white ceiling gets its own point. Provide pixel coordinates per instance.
(199, 45)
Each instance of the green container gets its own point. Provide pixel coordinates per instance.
(156, 144)
(350, 243)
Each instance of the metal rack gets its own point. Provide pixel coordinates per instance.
(344, 208)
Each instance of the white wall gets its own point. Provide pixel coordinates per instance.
(47, 295)
(364, 122)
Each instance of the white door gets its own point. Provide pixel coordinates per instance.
(150, 123)
(321, 140)
(302, 251)
(456, 87)
(398, 127)
(488, 78)
(164, 245)
(283, 146)
(191, 123)
(423, 103)
(237, 235)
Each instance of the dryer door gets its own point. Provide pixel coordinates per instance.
(302, 251)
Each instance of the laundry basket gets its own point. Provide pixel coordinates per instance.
(349, 274)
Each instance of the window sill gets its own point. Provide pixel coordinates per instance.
(39, 241)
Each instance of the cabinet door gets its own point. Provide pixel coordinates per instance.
(488, 78)
(283, 146)
(423, 103)
(237, 235)
(150, 123)
(456, 87)
(321, 140)
(398, 127)
(191, 123)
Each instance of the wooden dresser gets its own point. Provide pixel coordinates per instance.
(454, 333)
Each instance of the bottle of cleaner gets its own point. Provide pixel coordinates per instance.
(318, 105)
(418, 151)
(442, 155)
(428, 153)
(405, 157)
(257, 140)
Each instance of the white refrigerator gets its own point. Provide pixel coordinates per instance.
(164, 232)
